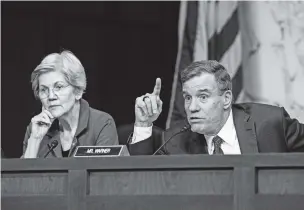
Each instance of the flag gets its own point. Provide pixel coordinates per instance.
(208, 30)
(273, 54)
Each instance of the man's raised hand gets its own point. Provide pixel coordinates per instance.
(148, 107)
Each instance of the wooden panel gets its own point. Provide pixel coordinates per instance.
(244, 187)
(244, 182)
(160, 202)
(279, 202)
(47, 183)
(216, 182)
(281, 181)
(77, 189)
(33, 203)
(185, 162)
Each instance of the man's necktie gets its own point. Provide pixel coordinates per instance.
(217, 141)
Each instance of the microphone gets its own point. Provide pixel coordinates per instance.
(52, 147)
(185, 128)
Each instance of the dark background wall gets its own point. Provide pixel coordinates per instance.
(123, 46)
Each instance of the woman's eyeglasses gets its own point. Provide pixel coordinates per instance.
(58, 89)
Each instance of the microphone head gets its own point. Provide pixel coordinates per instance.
(54, 143)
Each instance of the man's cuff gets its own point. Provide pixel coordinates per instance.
(141, 133)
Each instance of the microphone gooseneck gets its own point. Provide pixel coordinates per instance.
(52, 147)
(185, 128)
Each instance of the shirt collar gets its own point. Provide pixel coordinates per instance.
(225, 132)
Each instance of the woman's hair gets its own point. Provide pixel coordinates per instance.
(65, 62)
(213, 67)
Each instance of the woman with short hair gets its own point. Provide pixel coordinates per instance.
(59, 82)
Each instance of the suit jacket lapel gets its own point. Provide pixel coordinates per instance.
(186, 142)
(245, 130)
(198, 144)
(83, 124)
(51, 135)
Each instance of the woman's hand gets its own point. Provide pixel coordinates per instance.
(41, 124)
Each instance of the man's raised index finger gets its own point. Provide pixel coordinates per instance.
(157, 87)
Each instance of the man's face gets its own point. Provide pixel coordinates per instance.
(204, 105)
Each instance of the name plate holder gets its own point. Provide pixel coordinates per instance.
(101, 151)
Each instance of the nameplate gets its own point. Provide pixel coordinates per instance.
(101, 151)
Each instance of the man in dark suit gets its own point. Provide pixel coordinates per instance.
(217, 126)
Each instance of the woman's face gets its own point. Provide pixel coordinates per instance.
(56, 95)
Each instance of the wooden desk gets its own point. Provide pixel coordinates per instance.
(247, 182)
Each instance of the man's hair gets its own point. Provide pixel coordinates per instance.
(213, 67)
(65, 62)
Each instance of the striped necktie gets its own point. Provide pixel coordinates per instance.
(217, 141)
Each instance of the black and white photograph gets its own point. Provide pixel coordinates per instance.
(152, 105)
